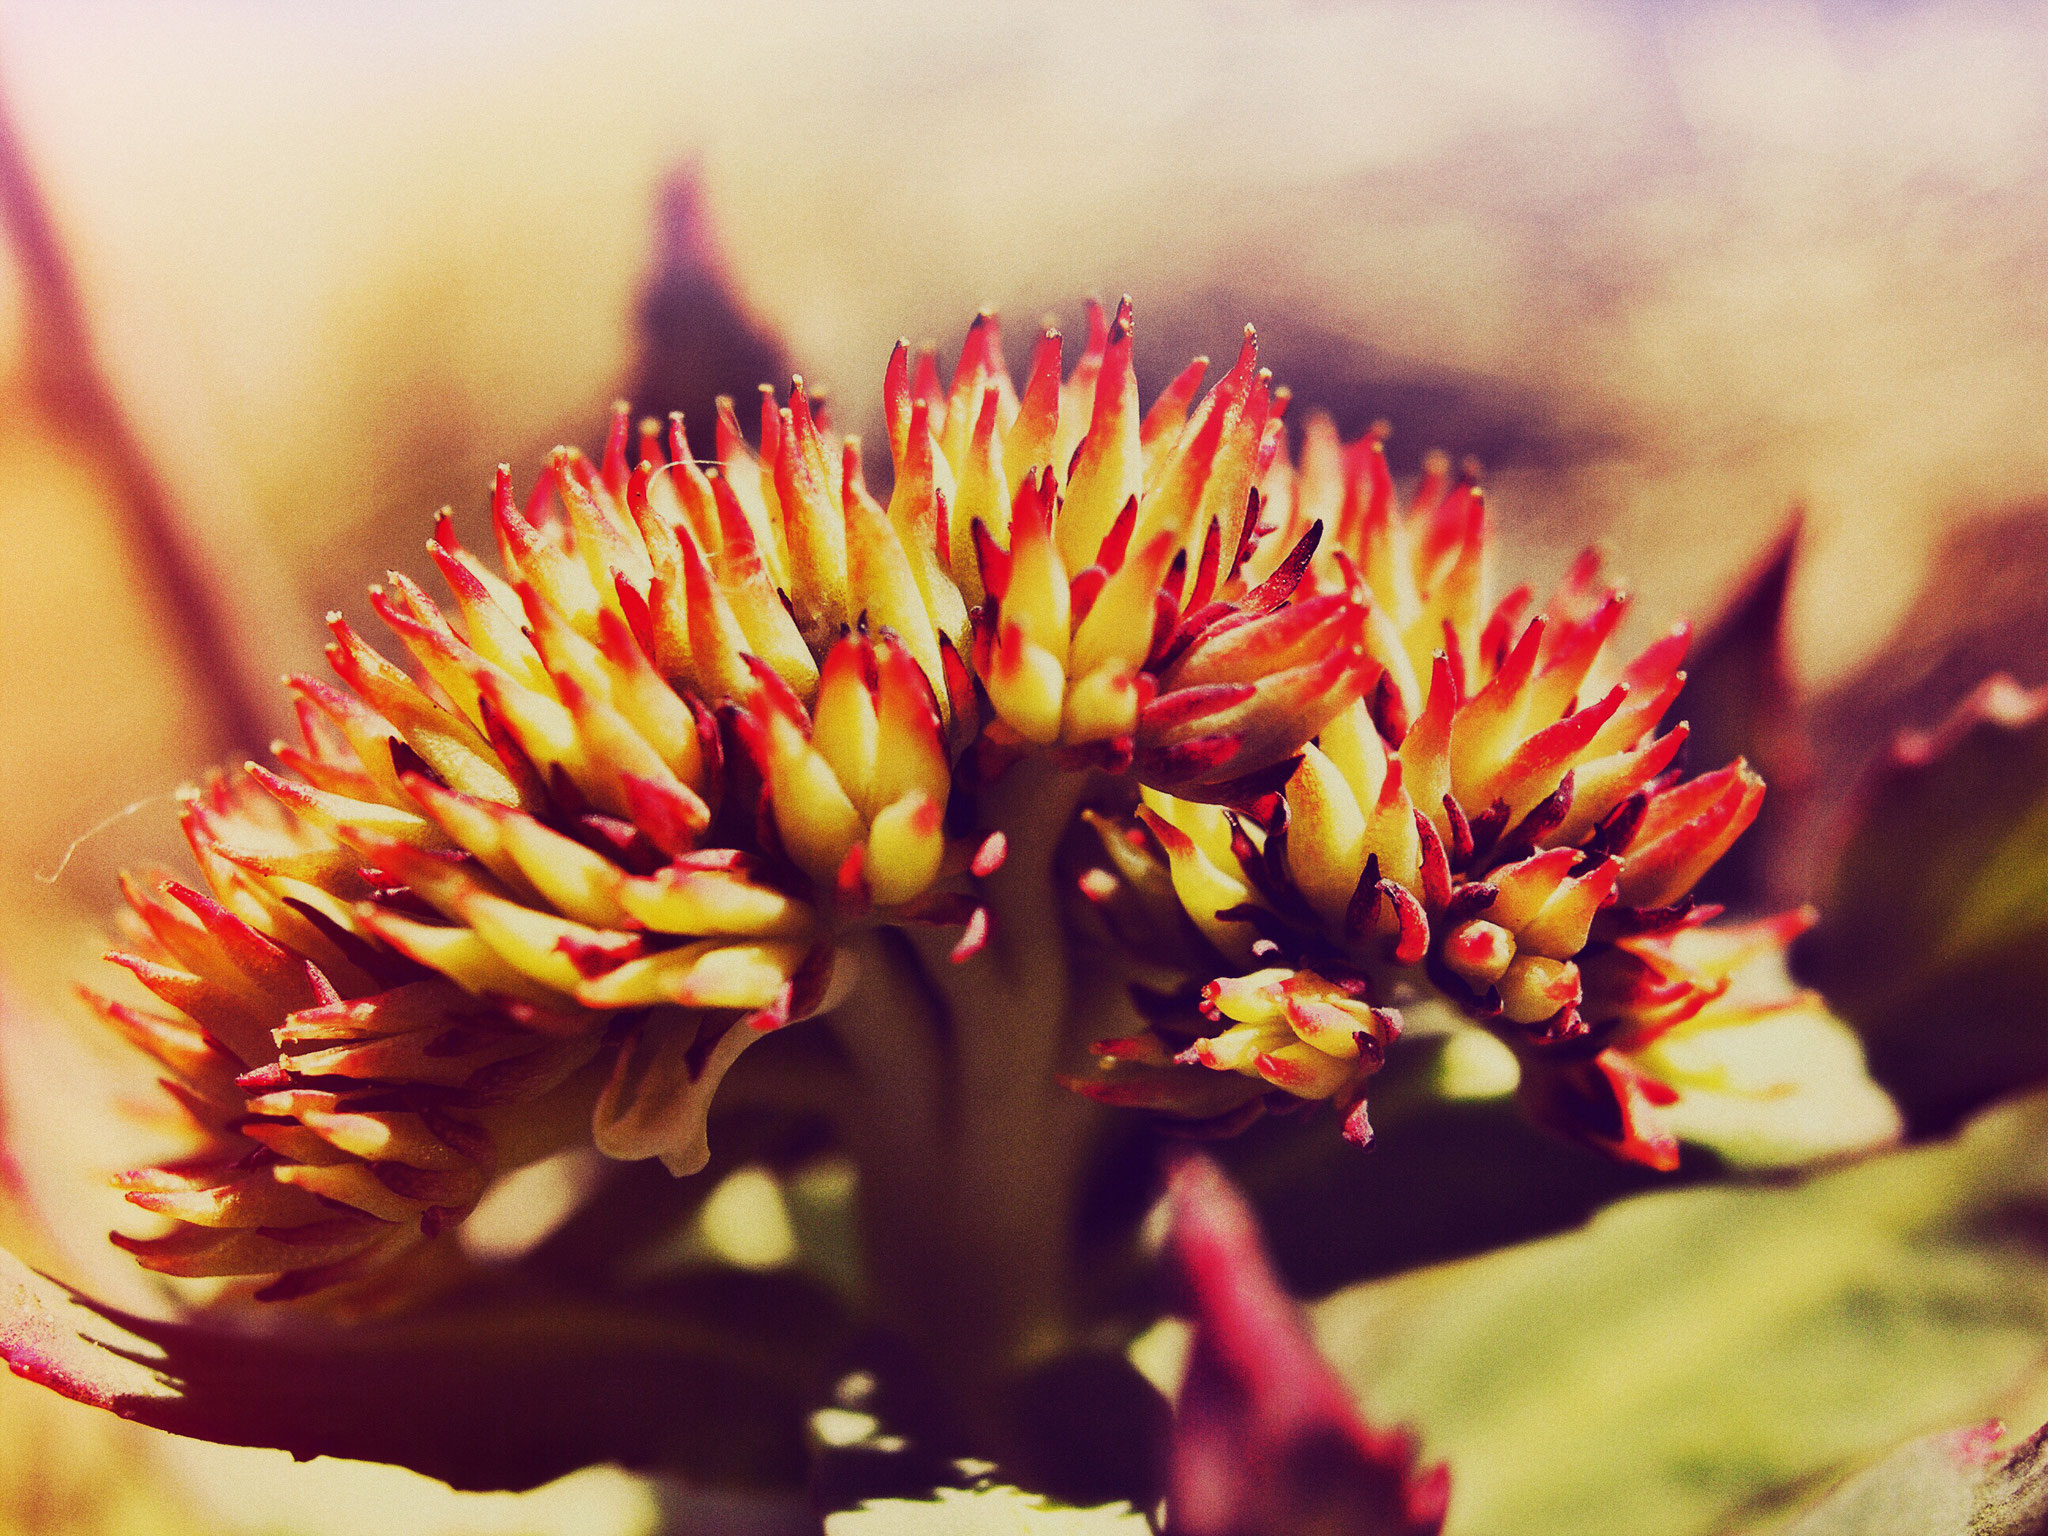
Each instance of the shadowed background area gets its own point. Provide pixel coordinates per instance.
(1668, 270)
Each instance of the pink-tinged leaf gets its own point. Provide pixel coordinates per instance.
(698, 340)
(1741, 702)
(500, 1393)
(1935, 925)
(1953, 1484)
(1603, 1102)
(1267, 1441)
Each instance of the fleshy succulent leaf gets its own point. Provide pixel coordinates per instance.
(1267, 1441)
(1935, 929)
(1953, 1484)
(1741, 702)
(1698, 1356)
(499, 1394)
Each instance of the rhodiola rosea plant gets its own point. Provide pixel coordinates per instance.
(1125, 776)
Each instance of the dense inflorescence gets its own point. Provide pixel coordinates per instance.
(642, 788)
(1494, 821)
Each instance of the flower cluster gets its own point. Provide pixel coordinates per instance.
(641, 785)
(1493, 819)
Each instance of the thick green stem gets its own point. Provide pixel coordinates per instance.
(970, 1152)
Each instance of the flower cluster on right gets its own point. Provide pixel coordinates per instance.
(1500, 822)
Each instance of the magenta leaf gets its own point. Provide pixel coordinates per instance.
(1267, 1441)
(500, 1392)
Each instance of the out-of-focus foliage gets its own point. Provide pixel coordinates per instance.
(705, 1379)
(1742, 702)
(1695, 1358)
(1333, 1216)
(1937, 920)
(1953, 1484)
(1265, 1437)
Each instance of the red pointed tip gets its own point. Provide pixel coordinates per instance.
(614, 470)
(988, 858)
(973, 938)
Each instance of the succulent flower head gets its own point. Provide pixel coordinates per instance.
(1496, 821)
(1121, 624)
(637, 783)
(641, 787)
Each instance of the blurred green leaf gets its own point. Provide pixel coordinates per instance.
(1695, 1359)
(1953, 1484)
(1934, 940)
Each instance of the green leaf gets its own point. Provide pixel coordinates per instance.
(1695, 1358)
(1933, 938)
(1953, 1484)
(709, 1379)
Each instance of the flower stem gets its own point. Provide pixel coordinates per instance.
(970, 1152)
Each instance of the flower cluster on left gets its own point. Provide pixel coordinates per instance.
(528, 888)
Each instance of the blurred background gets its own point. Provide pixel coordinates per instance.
(281, 280)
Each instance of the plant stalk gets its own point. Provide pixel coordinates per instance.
(970, 1153)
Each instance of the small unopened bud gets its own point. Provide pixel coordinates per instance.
(1254, 999)
(1534, 988)
(1479, 952)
